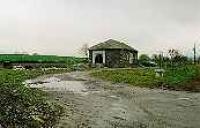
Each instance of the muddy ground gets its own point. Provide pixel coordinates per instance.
(93, 103)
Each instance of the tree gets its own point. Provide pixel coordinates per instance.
(84, 50)
(173, 53)
(144, 57)
(145, 60)
(155, 57)
(177, 58)
(159, 59)
(35, 54)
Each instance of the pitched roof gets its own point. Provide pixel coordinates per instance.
(111, 44)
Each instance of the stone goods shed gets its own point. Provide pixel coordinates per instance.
(112, 54)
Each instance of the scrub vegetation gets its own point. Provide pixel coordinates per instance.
(137, 77)
(21, 106)
(183, 78)
(178, 78)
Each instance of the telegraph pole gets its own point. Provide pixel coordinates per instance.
(194, 53)
(161, 56)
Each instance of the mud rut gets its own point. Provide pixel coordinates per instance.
(94, 103)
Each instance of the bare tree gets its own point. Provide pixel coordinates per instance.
(173, 53)
(176, 57)
(84, 50)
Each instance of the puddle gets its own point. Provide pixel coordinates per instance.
(42, 80)
(52, 80)
(55, 84)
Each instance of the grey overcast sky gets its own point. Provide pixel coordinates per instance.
(62, 26)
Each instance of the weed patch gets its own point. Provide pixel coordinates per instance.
(24, 107)
(174, 78)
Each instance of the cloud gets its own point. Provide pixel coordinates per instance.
(61, 27)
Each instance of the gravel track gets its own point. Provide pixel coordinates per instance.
(93, 103)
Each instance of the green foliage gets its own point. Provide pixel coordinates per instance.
(174, 59)
(21, 106)
(181, 75)
(144, 57)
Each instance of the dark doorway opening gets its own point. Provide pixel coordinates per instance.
(99, 59)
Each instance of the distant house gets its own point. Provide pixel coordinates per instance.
(112, 54)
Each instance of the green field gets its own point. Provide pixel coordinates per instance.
(38, 58)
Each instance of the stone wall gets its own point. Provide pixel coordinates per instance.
(112, 58)
(120, 58)
(116, 58)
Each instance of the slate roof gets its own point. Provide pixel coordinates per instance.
(112, 44)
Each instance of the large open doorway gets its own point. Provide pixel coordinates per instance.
(99, 59)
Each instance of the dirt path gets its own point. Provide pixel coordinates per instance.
(96, 104)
